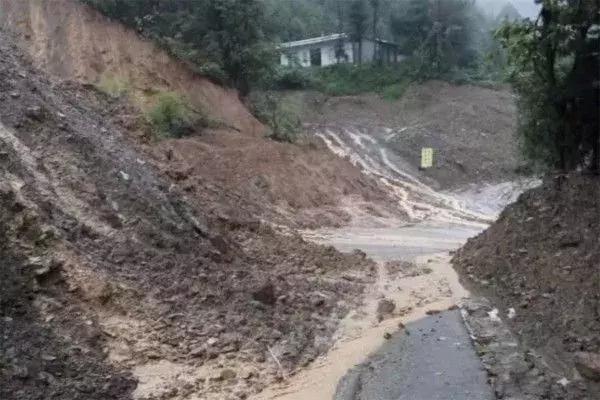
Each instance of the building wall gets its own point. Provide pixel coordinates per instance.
(302, 54)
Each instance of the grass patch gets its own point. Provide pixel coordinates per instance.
(389, 81)
(172, 117)
(113, 86)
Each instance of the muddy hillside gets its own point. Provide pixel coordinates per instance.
(117, 283)
(539, 262)
(74, 42)
(471, 129)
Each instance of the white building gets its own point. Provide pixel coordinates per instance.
(337, 48)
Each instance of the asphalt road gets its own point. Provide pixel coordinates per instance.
(432, 359)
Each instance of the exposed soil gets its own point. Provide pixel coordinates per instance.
(470, 128)
(542, 259)
(135, 279)
(302, 185)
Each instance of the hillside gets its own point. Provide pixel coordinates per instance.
(471, 129)
(117, 283)
(541, 258)
(73, 42)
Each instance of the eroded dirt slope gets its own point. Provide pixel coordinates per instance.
(72, 41)
(120, 284)
(542, 260)
(302, 185)
(470, 128)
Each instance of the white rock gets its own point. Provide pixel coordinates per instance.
(494, 315)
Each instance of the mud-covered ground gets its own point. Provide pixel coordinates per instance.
(540, 263)
(117, 282)
(470, 128)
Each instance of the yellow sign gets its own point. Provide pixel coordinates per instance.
(426, 157)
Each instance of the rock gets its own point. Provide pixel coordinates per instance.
(432, 312)
(228, 374)
(15, 95)
(387, 336)
(198, 351)
(247, 374)
(588, 365)
(386, 307)
(125, 176)
(212, 341)
(21, 372)
(265, 294)
(35, 113)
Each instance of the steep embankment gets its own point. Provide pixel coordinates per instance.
(470, 128)
(303, 184)
(74, 42)
(115, 283)
(542, 259)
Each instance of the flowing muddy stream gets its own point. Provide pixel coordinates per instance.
(435, 287)
(440, 222)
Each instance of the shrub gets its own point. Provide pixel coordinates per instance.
(293, 78)
(170, 117)
(395, 91)
(112, 86)
(278, 113)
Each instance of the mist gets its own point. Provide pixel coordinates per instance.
(527, 8)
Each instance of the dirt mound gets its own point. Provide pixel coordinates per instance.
(471, 129)
(541, 259)
(134, 276)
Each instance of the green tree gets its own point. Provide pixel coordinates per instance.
(440, 33)
(236, 36)
(554, 64)
(358, 25)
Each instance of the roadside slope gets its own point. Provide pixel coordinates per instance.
(117, 284)
(542, 259)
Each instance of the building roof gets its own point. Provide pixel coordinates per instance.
(327, 38)
(320, 39)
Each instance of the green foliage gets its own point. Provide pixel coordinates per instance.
(170, 117)
(112, 86)
(554, 66)
(294, 78)
(441, 34)
(223, 38)
(278, 113)
(294, 20)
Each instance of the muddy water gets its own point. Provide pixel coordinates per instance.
(442, 222)
(360, 333)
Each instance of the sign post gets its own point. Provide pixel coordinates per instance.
(426, 157)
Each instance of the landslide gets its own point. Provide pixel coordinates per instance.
(302, 185)
(471, 129)
(117, 283)
(542, 258)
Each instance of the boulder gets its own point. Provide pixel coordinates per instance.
(588, 365)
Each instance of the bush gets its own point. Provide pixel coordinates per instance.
(170, 117)
(293, 78)
(112, 86)
(395, 91)
(278, 113)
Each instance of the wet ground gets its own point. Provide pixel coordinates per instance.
(432, 359)
(435, 361)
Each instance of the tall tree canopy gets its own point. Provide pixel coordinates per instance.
(225, 38)
(443, 33)
(554, 63)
